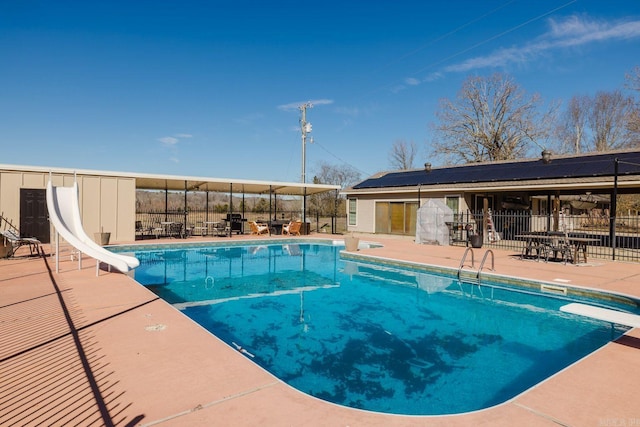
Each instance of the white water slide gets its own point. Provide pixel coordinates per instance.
(64, 214)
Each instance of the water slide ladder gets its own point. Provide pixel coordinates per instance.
(474, 280)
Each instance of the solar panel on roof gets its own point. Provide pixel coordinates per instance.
(561, 167)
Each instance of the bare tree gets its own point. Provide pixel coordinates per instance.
(609, 118)
(342, 175)
(572, 127)
(633, 79)
(633, 83)
(491, 119)
(402, 154)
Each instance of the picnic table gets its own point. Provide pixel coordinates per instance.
(539, 243)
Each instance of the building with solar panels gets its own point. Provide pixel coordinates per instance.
(503, 199)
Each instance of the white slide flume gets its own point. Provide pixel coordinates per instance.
(64, 214)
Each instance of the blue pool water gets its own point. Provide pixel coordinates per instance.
(373, 337)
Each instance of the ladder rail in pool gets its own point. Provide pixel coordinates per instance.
(476, 280)
(464, 258)
(484, 259)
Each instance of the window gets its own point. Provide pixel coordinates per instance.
(454, 203)
(352, 211)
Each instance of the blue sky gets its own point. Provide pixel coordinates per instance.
(211, 88)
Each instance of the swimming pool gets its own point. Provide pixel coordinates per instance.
(373, 336)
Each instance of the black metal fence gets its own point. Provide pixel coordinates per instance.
(502, 231)
(503, 228)
(193, 219)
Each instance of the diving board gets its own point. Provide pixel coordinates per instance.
(605, 314)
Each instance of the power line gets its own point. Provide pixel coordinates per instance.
(365, 174)
(452, 32)
(497, 36)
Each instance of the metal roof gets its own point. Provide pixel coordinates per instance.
(568, 167)
(190, 183)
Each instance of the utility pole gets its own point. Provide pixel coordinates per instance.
(305, 128)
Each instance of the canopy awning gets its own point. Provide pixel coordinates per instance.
(191, 183)
(180, 183)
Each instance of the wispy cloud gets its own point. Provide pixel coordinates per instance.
(433, 77)
(568, 33)
(168, 140)
(295, 105)
(172, 141)
(571, 32)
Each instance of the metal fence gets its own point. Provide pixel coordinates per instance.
(192, 218)
(503, 229)
(502, 233)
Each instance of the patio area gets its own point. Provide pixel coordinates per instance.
(86, 350)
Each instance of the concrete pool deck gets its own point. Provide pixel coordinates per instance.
(87, 350)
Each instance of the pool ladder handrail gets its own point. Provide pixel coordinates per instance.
(484, 259)
(464, 258)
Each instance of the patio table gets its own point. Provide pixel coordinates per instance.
(275, 227)
(218, 228)
(535, 242)
(580, 244)
(163, 229)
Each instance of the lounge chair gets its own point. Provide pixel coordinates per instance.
(17, 241)
(292, 229)
(258, 228)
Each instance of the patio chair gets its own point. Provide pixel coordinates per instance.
(201, 229)
(220, 228)
(258, 228)
(175, 230)
(560, 246)
(292, 229)
(157, 230)
(188, 231)
(141, 230)
(16, 242)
